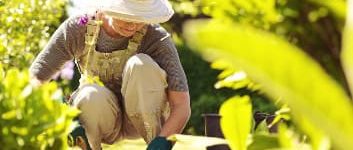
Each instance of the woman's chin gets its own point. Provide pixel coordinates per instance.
(126, 34)
(123, 33)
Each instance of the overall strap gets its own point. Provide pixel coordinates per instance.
(91, 35)
(93, 27)
(135, 41)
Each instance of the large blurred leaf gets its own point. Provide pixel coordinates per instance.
(319, 140)
(288, 139)
(283, 71)
(236, 121)
(347, 49)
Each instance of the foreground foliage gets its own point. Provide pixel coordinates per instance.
(319, 106)
(31, 117)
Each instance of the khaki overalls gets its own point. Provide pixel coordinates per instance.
(141, 109)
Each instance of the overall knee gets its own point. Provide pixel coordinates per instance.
(90, 96)
(143, 67)
(140, 64)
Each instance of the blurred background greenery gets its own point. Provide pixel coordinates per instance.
(314, 27)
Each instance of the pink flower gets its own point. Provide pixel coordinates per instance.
(83, 20)
(66, 73)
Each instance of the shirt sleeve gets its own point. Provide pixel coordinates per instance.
(164, 52)
(60, 49)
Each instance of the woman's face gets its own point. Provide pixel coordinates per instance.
(125, 28)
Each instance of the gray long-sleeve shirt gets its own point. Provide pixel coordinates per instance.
(68, 43)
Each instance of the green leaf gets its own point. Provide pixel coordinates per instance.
(285, 137)
(347, 47)
(19, 130)
(263, 142)
(2, 72)
(236, 121)
(262, 128)
(9, 115)
(236, 80)
(283, 71)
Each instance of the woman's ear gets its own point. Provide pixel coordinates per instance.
(99, 14)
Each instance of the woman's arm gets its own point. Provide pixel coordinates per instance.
(179, 115)
(60, 48)
(34, 81)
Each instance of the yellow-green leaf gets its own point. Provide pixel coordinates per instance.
(19, 130)
(9, 115)
(236, 121)
(264, 142)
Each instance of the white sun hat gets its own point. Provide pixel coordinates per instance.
(147, 11)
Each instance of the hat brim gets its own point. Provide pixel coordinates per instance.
(137, 18)
(153, 11)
